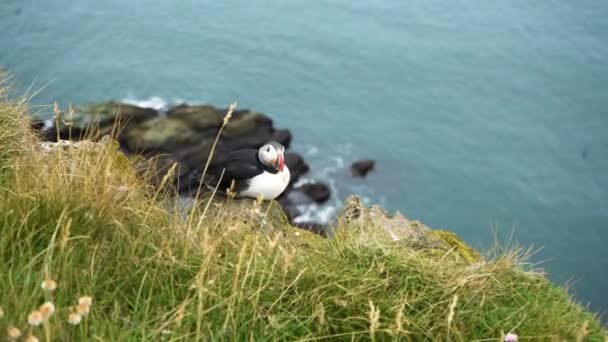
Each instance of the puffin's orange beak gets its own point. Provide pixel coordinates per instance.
(281, 162)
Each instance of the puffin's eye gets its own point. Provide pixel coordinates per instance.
(267, 149)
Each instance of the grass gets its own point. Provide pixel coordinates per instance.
(86, 218)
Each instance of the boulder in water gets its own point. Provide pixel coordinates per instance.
(316, 191)
(361, 168)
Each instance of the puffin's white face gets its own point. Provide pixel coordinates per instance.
(272, 154)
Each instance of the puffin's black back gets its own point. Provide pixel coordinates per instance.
(240, 166)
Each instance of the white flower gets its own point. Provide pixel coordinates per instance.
(83, 309)
(49, 285)
(511, 337)
(35, 318)
(47, 309)
(31, 338)
(74, 319)
(13, 333)
(85, 300)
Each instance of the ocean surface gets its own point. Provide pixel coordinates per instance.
(487, 118)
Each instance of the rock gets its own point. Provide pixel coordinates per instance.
(99, 119)
(254, 138)
(396, 226)
(361, 168)
(297, 166)
(184, 137)
(37, 125)
(198, 117)
(50, 146)
(318, 192)
(289, 206)
(163, 135)
(283, 137)
(400, 229)
(241, 126)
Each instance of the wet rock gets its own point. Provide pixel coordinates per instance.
(181, 141)
(97, 120)
(361, 168)
(163, 135)
(283, 137)
(37, 125)
(289, 205)
(242, 125)
(297, 166)
(255, 138)
(318, 192)
(198, 117)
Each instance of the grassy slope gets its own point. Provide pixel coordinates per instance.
(86, 220)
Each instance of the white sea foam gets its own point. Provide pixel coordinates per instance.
(154, 102)
(323, 214)
(48, 123)
(312, 151)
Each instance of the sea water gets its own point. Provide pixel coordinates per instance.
(487, 118)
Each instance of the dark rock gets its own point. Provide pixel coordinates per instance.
(97, 120)
(255, 138)
(198, 117)
(181, 142)
(282, 136)
(163, 135)
(37, 125)
(240, 126)
(318, 192)
(260, 119)
(289, 206)
(362, 167)
(297, 166)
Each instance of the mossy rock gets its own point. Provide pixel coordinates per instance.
(164, 134)
(108, 113)
(198, 117)
(100, 119)
(451, 241)
(240, 126)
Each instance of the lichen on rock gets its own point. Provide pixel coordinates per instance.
(400, 229)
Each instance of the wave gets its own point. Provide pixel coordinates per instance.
(154, 102)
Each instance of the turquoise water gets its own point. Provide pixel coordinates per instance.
(484, 117)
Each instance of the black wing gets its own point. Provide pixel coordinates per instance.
(239, 166)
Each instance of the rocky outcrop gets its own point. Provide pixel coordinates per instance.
(181, 140)
(398, 228)
(182, 135)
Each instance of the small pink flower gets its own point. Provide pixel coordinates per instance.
(511, 337)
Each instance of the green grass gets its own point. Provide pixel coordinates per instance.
(235, 270)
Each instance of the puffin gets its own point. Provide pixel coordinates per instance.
(255, 173)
